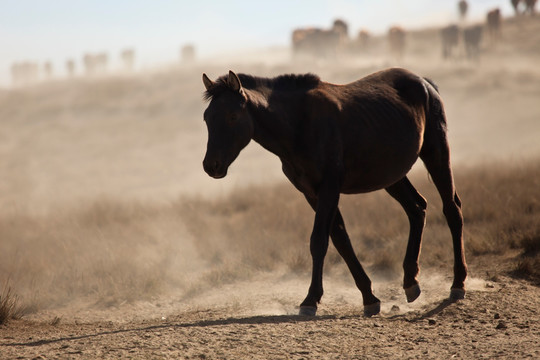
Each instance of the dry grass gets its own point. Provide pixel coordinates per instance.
(65, 144)
(266, 228)
(9, 307)
(112, 252)
(106, 253)
(528, 266)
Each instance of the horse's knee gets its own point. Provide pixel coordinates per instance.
(421, 202)
(417, 213)
(453, 214)
(457, 200)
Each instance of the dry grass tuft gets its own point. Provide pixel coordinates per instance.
(56, 321)
(386, 265)
(298, 262)
(9, 308)
(528, 265)
(531, 244)
(528, 268)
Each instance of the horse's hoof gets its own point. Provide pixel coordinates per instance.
(412, 292)
(372, 309)
(457, 294)
(308, 311)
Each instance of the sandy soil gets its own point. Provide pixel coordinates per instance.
(66, 145)
(256, 320)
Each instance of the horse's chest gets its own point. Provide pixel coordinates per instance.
(303, 178)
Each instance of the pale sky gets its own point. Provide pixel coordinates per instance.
(55, 30)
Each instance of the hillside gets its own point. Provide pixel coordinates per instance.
(115, 243)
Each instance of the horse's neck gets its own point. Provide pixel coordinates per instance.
(273, 129)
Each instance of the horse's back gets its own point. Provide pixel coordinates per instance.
(384, 106)
(381, 122)
(408, 86)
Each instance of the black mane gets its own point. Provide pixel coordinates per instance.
(288, 82)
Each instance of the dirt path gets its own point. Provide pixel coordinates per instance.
(499, 318)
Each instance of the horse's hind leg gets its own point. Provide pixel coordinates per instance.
(436, 156)
(415, 206)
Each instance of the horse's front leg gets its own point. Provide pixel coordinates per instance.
(326, 207)
(340, 238)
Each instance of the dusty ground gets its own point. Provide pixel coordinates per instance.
(102, 186)
(497, 319)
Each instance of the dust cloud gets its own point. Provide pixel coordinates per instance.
(106, 208)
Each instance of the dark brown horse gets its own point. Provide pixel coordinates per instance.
(529, 6)
(494, 20)
(450, 40)
(320, 43)
(515, 5)
(396, 40)
(334, 139)
(463, 7)
(472, 36)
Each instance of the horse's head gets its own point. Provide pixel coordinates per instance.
(229, 124)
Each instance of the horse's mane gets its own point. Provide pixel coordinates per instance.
(288, 82)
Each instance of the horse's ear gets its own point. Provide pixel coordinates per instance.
(208, 84)
(234, 81)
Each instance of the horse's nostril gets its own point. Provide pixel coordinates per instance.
(211, 166)
(214, 166)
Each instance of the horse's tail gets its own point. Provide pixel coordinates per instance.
(434, 108)
(435, 134)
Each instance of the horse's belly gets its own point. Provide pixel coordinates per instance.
(374, 170)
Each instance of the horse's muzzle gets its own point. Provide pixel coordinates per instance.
(215, 168)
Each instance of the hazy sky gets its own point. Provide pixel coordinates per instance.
(57, 29)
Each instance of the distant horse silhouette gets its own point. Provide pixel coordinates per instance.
(70, 67)
(128, 58)
(494, 20)
(320, 43)
(24, 73)
(450, 39)
(315, 43)
(47, 70)
(472, 36)
(463, 7)
(396, 40)
(515, 5)
(363, 39)
(529, 6)
(187, 54)
(350, 139)
(95, 63)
